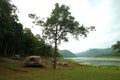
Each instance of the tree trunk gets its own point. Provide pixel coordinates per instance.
(55, 52)
(5, 50)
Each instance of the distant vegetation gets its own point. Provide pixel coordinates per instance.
(95, 52)
(90, 53)
(107, 52)
(66, 53)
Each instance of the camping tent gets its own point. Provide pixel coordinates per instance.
(33, 61)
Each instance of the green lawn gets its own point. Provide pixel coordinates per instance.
(61, 73)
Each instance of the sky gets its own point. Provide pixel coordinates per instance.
(103, 14)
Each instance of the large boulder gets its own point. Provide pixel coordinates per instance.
(63, 64)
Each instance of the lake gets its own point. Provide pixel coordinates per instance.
(97, 61)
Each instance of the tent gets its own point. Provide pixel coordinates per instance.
(34, 61)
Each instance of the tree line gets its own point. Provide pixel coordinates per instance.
(14, 39)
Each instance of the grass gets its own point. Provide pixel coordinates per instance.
(73, 72)
(1, 78)
(8, 63)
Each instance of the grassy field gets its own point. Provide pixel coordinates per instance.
(14, 70)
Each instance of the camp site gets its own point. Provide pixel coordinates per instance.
(59, 40)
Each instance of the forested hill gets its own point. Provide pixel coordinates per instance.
(66, 53)
(94, 52)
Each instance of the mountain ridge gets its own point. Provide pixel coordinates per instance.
(94, 52)
(88, 53)
(66, 53)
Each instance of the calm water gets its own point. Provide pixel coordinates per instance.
(97, 61)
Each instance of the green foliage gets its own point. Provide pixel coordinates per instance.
(60, 24)
(35, 45)
(8, 26)
(116, 47)
(28, 41)
(16, 40)
(42, 48)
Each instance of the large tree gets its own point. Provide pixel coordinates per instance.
(59, 25)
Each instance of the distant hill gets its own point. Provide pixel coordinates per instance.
(66, 53)
(94, 52)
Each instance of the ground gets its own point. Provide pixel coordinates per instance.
(14, 70)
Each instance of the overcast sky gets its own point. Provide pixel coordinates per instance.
(103, 14)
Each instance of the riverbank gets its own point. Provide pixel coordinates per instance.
(13, 70)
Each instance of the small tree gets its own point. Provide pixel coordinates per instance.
(116, 47)
(59, 25)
